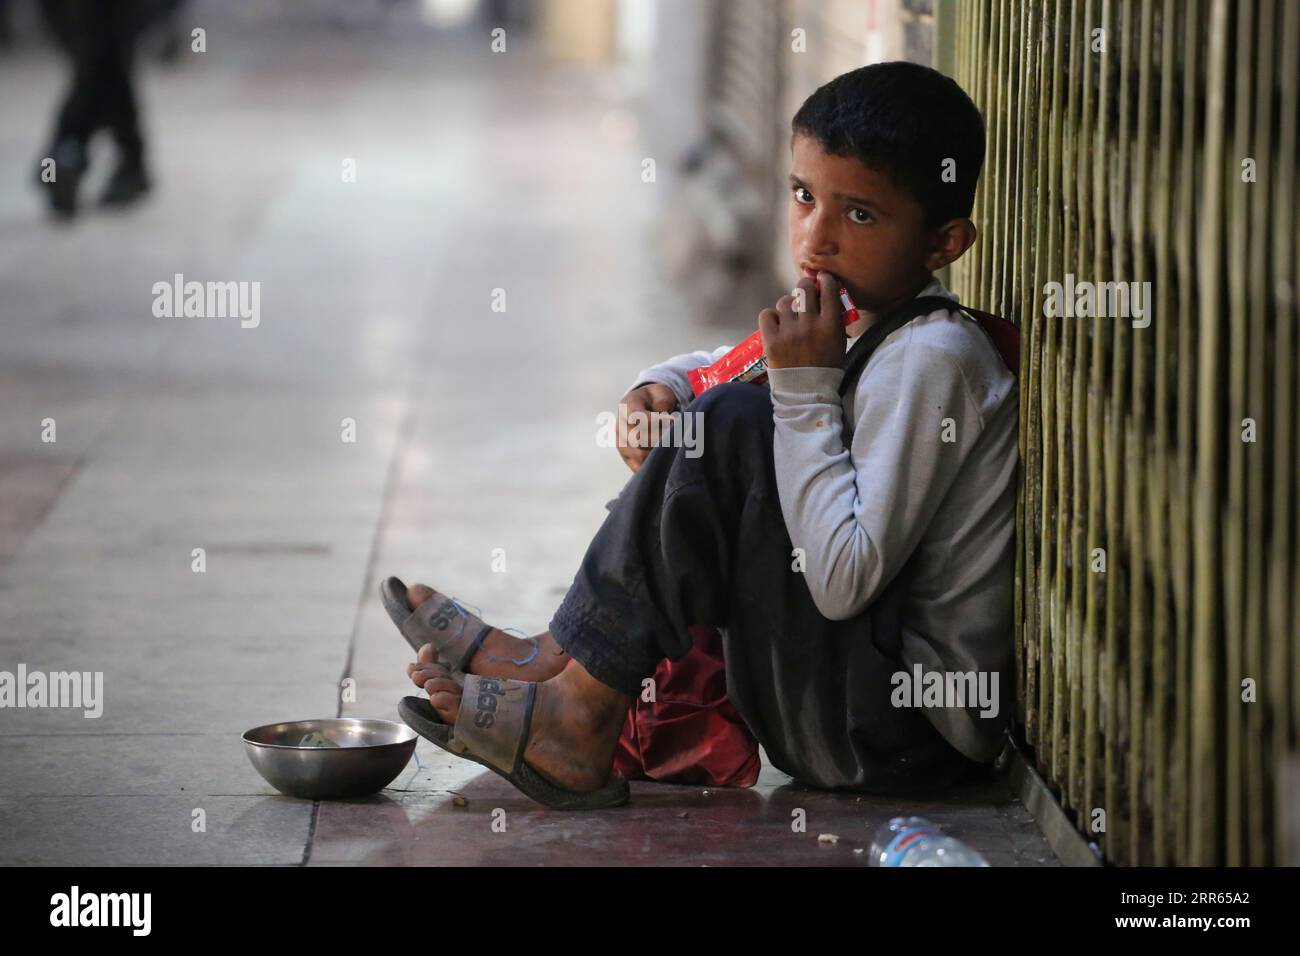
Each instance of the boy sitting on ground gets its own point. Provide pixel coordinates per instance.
(849, 525)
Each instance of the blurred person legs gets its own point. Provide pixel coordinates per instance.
(169, 34)
(99, 38)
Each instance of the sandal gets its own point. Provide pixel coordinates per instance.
(492, 730)
(442, 626)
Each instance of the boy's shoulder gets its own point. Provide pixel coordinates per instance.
(949, 337)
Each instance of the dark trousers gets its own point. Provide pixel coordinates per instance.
(702, 541)
(99, 38)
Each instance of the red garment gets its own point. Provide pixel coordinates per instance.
(691, 733)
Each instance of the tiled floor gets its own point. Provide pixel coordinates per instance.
(474, 431)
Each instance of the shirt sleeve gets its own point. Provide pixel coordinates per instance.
(672, 372)
(858, 505)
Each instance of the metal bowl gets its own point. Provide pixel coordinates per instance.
(369, 755)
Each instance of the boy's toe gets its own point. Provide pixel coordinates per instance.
(444, 696)
(417, 594)
(424, 672)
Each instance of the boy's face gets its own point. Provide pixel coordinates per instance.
(854, 222)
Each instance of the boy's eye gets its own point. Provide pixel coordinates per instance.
(866, 216)
(799, 199)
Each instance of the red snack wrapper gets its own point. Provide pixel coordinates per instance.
(746, 362)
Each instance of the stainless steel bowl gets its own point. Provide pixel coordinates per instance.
(369, 755)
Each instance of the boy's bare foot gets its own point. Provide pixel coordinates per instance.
(575, 724)
(500, 654)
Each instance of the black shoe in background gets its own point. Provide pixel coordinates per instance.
(69, 166)
(127, 184)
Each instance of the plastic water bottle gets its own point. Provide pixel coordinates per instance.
(915, 841)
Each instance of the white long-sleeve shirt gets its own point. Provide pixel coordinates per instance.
(920, 457)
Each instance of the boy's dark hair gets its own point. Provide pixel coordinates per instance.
(902, 119)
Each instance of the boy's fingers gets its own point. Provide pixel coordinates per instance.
(810, 296)
(631, 432)
(664, 401)
(785, 309)
(829, 294)
(790, 307)
(769, 324)
(631, 403)
(649, 404)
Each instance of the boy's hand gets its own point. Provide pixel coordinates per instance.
(647, 400)
(814, 336)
